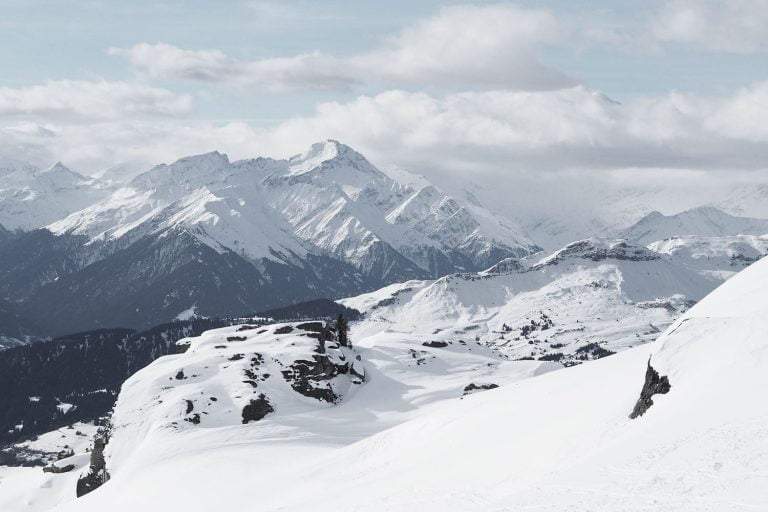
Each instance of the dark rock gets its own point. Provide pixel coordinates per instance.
(311, 326)
(190, 406)
(97, 473)
(310, 378)
(56, 469)
(236, 338)
(235, 357)
(435, 344)
(472, 387)
(194, 419)
(284, 329)
(180, 375)
(655, 384)
(257, 409)
(247, 328)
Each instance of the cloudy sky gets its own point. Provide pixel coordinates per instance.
(484, 87)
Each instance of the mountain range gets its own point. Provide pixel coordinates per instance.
(205, 236)
(211, 237)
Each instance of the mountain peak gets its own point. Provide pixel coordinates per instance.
(58, 167)
(324, 151)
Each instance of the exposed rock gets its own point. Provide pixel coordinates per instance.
(236, 338)
(97, 472)
(311, 326)
(472, 387)
(309, 377)
(655, 384)
(257, 409)
(284, 330)
(56, 469)
(435, 344)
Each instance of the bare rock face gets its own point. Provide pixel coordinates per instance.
(655, 384)
(257, 409)
(97, 473)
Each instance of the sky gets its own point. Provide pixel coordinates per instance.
(485, 87)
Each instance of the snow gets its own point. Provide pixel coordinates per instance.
(719, 256)
(188, 314)
(31, 198)
(702, 221)
(590, 291)
(555, 442)
(329, 200)
(29, 488)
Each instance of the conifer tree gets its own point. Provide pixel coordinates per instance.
(342, 331)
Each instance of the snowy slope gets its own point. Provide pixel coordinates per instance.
(702, 221)
(559, 441)
(31, 198)
(596, 291)
(719, 256)
(199, 397)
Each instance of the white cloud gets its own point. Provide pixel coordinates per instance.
(739, 26)
(499, 132)
(78, 100)
(479, 46)
(307, 71)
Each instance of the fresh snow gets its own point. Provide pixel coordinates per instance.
(554, 442)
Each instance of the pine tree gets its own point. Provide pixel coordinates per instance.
(342, 331)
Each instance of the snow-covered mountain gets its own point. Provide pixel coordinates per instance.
(719, 256)
(31, 198)
(702, 221)
(215, 237)
(670, 424)
(329, 199)
(589, 299)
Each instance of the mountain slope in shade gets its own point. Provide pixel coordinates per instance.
(553, 442)
(703, 221)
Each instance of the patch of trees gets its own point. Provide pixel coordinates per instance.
(84, 369)
(318, 309)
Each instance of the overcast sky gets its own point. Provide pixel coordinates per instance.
(526, 86)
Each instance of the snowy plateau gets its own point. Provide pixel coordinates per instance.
(493, 364)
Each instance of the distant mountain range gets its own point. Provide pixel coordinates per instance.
(206, 236)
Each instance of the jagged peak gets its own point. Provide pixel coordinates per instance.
(325, 151)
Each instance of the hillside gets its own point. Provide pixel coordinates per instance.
(585, 301)
(559, 441)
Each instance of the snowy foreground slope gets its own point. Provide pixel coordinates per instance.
(558, 441)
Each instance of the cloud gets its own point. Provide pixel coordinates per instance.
(476, 46)
(301, 72)
(84, 101)
(497, 132)
(738, 26)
